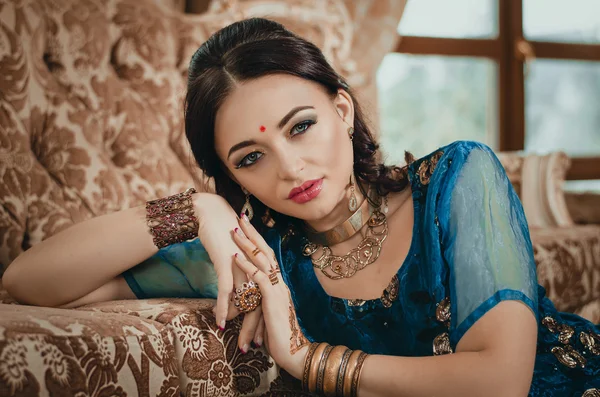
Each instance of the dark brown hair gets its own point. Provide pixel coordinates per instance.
(250, 49)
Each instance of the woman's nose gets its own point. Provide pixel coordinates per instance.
(290, 165)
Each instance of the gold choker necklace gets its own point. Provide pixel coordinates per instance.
(343, 231)
(337, 267)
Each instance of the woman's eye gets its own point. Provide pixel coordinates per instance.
(249, 160)
(302, 127)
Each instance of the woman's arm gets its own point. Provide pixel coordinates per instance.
(80, 259)
(494, 358)
(115, 289)
(84, 258)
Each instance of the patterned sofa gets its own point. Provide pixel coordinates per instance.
(91, 123)
(90, 119)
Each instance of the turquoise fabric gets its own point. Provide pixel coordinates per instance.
(177, 271)
(470, 244)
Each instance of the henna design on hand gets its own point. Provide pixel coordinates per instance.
(297, 339)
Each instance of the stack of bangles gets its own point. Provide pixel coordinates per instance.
(332, 370)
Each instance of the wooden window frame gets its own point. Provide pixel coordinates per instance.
(505, 52)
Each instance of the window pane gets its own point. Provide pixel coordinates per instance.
(582, 186)
(444, 18)
(562, 107)
(429, 101)
(575, 21)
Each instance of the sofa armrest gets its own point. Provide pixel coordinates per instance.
(47, 351)
(161, 347)
(538, 180)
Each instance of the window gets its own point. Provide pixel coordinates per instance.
(429, 101)
(516, 75)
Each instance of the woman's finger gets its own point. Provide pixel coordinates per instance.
(249, 327)
(259, 334)
(253, 272)
(252, 251)
(239, 277)
(258, 240)
(266, 336)
(225, 288)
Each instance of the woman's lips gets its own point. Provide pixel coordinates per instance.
(310, 192)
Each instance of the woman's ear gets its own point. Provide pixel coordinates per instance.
(344, 106)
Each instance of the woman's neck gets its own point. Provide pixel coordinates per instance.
(339, 214)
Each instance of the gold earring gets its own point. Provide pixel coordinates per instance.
(247, 208)
(351, 132)
(267, 219)
(353, 203)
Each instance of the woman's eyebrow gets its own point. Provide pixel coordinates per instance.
(291, 114)
(240, 145)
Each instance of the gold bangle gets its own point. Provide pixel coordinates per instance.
(314, 367)
(332, 369)
(350, 370)
(321, 371)
(357, 372)
(339, 388)
(307, 360)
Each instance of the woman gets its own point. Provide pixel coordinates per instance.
(363, 277)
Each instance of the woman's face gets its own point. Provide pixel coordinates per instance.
(279, 133)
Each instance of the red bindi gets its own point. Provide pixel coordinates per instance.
(263, 128)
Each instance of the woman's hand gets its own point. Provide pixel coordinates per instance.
(217, 220)
(284, 340)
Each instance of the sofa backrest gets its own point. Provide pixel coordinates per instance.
(91, 99)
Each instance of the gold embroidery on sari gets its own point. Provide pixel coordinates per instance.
(442, 312)
(568, 356)
(441, 343)
(427, 167)
(565, 332)
(389, 295)
(591, 393)
(591, 341)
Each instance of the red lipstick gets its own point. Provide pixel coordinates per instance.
(306, 192)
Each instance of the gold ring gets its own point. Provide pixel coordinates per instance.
(247, 297)
(273, 278)
(256, 251)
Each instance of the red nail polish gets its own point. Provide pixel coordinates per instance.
(236, 229)
(236, 254)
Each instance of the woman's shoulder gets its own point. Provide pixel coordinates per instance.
(444, 163)
(457, 148)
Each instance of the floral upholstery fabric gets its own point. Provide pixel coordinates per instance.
(153, 347)
(91, 353)
(568, 266)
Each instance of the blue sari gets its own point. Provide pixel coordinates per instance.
(470, 250)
